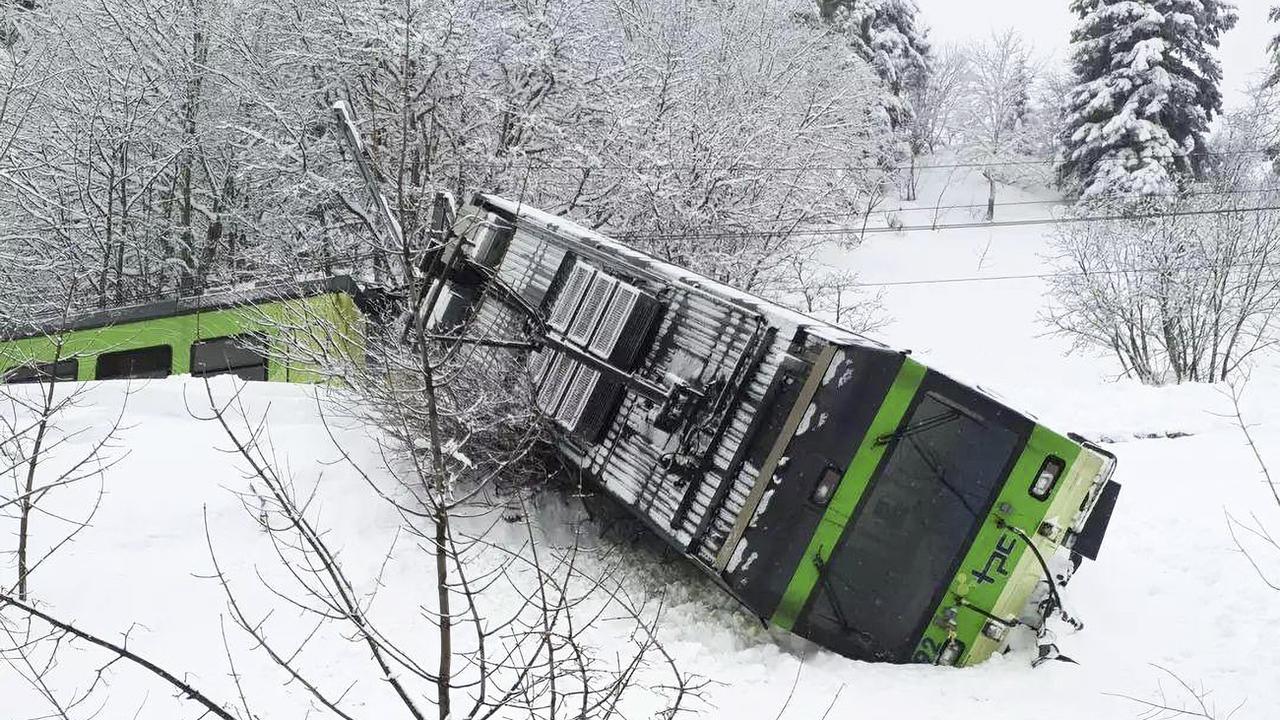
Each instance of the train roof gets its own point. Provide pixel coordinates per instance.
(151, 309)
(779, 315)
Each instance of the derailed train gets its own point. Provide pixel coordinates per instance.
(838, 488)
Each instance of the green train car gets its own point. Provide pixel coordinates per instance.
(838, 488)
(249, 332)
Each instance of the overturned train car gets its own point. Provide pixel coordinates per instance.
(838, 488)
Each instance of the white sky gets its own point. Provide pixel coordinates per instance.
(1047, 26)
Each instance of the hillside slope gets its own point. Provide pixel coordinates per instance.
(1170, 592)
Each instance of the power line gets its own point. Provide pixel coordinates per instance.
(959, 280)
(554, 166)
(846, 232)
(1020, 203)
(1197, 269)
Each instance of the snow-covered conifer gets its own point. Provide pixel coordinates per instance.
(1273, 48)
(1268, 95)
(1146, 89)
(885, 34)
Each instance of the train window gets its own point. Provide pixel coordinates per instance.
(242, 355)
(149, 362)
(826, 486)
(62, 371)
(1046, 478)
(940, 476)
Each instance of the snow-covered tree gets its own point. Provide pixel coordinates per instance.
(995, 108)
(885, 33)
(172, 146)
(1268, 95)
(733, 136)
(1273, 47)
(1235, 161)
(936, 103)
(1146, 89)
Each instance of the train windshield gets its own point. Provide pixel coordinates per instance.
(945, 466)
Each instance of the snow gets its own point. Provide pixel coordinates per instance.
(1169, 589)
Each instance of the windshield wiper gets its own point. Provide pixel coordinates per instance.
(939, 473)
(949, 415)
(833, 599)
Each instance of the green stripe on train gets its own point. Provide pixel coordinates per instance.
(852, 486)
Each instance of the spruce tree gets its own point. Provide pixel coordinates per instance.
(884, 33)
(1267, 97)
(1146, 88)
(1273, 47)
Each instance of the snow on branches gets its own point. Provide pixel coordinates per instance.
(193, 146)
(884, 33)
(1146, 90)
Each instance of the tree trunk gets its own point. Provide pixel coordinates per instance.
(991, 198)
(33, 463)
(439, 489)
(911, 179)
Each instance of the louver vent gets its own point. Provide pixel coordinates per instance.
(570, 296)
(637, 332)
(553, 386)
(593, 313)
(538, 363)
(599, 411)
(615, 319)
(597, 300)
(576, 397)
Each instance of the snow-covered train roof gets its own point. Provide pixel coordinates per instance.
(781, 316)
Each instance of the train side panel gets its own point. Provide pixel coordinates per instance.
(334, 311)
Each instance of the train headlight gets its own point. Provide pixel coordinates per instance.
(1047, 477)
(951, 652)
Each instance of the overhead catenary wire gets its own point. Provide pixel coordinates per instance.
(848, 232)
(553, 166)
(1196, 269)
(792, 219)
(530, 168)
(1008, 223)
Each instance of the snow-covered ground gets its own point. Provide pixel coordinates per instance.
(1169, 591)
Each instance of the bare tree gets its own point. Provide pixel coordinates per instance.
(836, 296)
(1185, 700)
(997, 100)
(27, 646)
(938, 104)
(33, 442)
(1253, 539)
(536, 661)
(460, 432)
(1177, 291)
